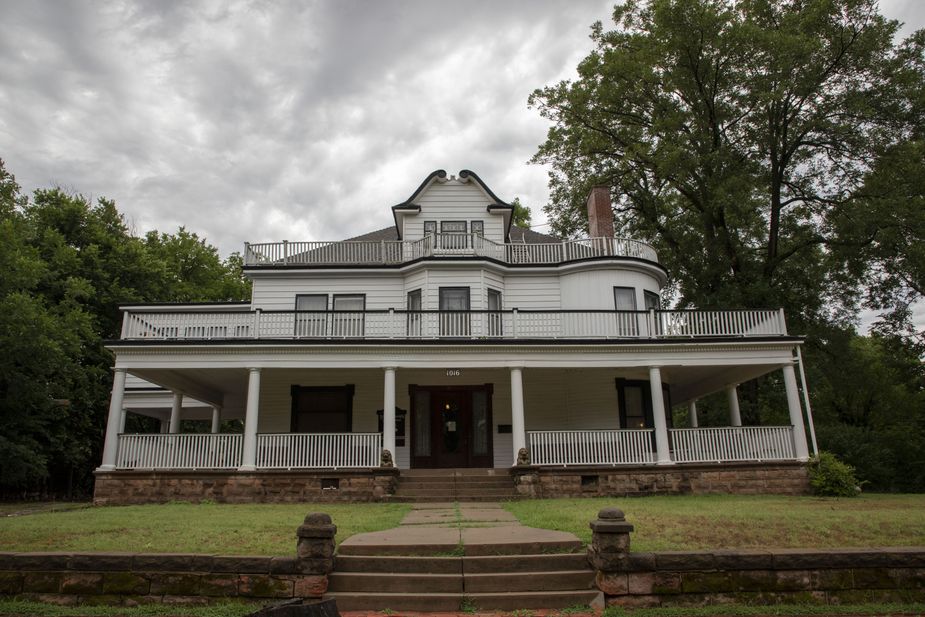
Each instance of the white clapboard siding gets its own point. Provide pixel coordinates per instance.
(278, 294)
(532, 292)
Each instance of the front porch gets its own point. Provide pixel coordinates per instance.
(603, 420)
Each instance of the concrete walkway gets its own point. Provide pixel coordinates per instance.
(452, 529)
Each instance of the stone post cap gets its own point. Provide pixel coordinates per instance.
(317, 525)
(611, 520)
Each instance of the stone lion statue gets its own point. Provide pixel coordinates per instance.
(523, 457)
(385, 459)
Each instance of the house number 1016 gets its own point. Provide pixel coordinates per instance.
(453, 372)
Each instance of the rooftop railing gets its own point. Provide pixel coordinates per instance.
(440, 245)
(164, 324)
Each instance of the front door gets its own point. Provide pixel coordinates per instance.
(451, 426)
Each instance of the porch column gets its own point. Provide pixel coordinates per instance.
(735, 416)
(122, 420)
(388, 411)
(518, 436)
(111, 443)
(692, 414)
(662, 449)
(216, 418)
(175, 412)
(796, 414)
(249, 460)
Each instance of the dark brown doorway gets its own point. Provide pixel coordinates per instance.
(451, 426)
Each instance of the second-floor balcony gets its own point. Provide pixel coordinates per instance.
(390, 252)
(506, 325)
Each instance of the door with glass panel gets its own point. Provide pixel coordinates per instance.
(451, 426)
(454, 311)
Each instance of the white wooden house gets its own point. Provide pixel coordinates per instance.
(451, 339)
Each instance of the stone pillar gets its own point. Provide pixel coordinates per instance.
(249, 460)
(796, 414)
(692, 413)
(662, 449)
(216, 419)
(111, 442)
(388, 411)
(175, 410)
(518, 434)
(315, 549)
(735, 416)
(609, 550)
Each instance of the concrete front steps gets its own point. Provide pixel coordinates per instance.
(448, 485)
(450, 584)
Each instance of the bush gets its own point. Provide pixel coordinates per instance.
(831, 477)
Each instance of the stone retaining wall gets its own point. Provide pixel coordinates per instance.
(750, 577)
(137, 487)
(129, 579)
(594, 481)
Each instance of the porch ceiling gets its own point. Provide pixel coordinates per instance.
(692, 382)
(207, 385)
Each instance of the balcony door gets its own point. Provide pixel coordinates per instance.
(451, 426)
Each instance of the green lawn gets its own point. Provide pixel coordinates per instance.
(725, 521)
(259, 529)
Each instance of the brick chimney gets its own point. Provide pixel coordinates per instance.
(600, 214)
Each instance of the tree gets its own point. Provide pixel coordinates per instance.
(733, 135)
(68, 265)
(522, 217)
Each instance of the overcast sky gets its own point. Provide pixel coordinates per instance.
(264, 121)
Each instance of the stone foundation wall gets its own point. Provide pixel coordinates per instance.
(594, 481)
(137, 487)
(767, 577)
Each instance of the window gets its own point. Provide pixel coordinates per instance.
(348, 317)
(430, 228)
(414, 315)
(452, 227)
(454, 311)
(322, 409)
(624, 299)
(477, 227)
(311, 315)
(635, 400)
(652, 300)
(495, 317)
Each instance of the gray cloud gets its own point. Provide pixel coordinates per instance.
(302, 120)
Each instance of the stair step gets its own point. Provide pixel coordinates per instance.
(523, 563)
(467, 492)
(432, 602)
(571, 580)
(396, 583)
(395, 565)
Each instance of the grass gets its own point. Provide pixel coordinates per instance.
(39, 609)
(741, 610)
(232, 609)
(252, 529)
(666, 523)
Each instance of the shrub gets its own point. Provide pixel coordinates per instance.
(829, 476)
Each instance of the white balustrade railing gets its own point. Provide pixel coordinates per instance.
(398, 324)
(615, 447)
(734, 443)
(179, 451)
(358, 252)
(318, 450)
